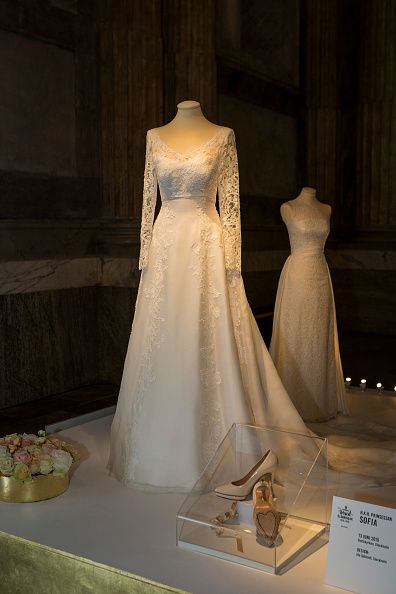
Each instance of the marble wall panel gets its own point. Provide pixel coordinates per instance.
(267, 146)
(116, 307)
(58, 339)
(27, 276)
(49, 343)
(105, 271)
(53, 341)
(37, 106)
(44, 275)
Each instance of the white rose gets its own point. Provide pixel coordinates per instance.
(4, 451)
(62, 461)
(6, 465)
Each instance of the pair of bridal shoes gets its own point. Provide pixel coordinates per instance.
(240, 489)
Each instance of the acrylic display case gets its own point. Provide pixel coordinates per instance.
(300, 488)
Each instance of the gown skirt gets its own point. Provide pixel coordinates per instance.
(196, 362)
(304, 343)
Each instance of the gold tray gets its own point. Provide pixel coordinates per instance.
(39, 488)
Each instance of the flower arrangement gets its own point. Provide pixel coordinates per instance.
(22, 457)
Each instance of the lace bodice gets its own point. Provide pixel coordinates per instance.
(308, 227)
(201, 172)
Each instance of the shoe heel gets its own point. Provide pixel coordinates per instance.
(265, 515)
(271, 488)
(266, 479)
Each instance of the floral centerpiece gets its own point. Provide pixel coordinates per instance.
(34, 467)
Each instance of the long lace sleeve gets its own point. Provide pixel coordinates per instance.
(149, 201)
(228, 190)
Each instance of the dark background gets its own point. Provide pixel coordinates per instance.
(309, 88)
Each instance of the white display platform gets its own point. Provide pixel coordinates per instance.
(300, 489)
(100, 519)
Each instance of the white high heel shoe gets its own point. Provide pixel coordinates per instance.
(240, 489)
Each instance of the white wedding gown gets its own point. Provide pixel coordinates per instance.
(196, 362)
(304, 345)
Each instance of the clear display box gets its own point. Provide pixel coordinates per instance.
(300, 488)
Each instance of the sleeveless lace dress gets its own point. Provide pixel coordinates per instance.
(196, 362)
(304, 343)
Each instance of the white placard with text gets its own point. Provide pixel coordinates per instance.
(362, 547)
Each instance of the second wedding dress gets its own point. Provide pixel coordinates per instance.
(304, 343)
(196, 362)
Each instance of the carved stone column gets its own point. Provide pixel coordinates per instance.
(377, 116)
(131, 91)
(321, 98)
(189, 46)
(332, 41)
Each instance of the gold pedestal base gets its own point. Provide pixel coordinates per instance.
(39, 488)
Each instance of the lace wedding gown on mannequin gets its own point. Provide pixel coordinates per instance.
(304, 343)
(196, 362)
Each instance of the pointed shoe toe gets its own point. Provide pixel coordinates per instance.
(240, 489)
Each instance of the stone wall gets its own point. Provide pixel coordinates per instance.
(350, 135)
(306, 86)
(82, 82)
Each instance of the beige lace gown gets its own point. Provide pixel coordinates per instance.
(304, 343)
(196, 362)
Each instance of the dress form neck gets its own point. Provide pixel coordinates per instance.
(308, 196)
(188, 129)
(189, 114)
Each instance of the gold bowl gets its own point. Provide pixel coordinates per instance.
(39, 488)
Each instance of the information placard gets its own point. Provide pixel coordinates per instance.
(362, 547)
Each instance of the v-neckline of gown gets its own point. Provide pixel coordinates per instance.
(192, 151)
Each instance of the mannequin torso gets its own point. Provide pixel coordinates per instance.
(304, 343)
(189, 129)
(307, 202)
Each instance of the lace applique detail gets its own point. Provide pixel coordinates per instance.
(149, 201)
(239, 314)
(203, 267)
(228, 189)
(153, 293)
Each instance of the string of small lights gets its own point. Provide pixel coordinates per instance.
(363, 385)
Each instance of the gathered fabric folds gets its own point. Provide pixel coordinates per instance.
(196, 361)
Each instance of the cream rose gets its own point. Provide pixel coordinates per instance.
(4, 451)
(21, 472)
(46, 465)
(6, 466)
(62, 461)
